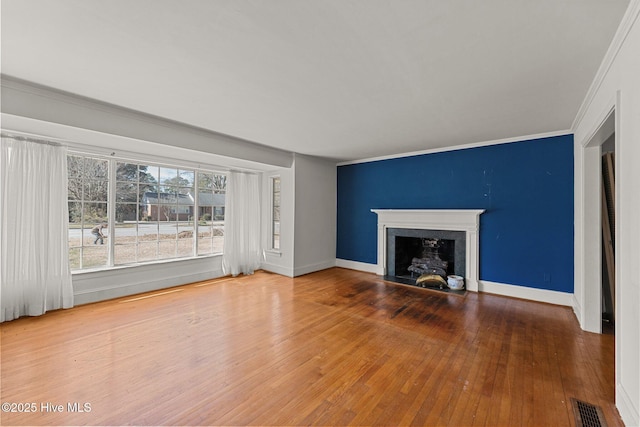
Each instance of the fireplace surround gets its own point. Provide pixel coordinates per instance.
(394, 222)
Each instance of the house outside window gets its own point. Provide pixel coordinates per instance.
(212, 190)
(153, 212)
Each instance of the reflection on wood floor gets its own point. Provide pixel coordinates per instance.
(337, 347)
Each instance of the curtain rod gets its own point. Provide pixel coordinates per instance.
(28, 139)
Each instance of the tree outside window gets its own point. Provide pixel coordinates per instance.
(156, 212)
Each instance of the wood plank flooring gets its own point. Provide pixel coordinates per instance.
(337, 347)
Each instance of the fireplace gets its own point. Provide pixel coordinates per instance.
(416, 253)
(448, 239)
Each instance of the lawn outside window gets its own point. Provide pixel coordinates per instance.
(152, 212)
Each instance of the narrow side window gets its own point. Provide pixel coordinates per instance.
(275, 212)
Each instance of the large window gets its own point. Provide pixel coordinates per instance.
(146, 211)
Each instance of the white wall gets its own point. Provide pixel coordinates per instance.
(113, 283)
(308, 217)
(315, 209)
(280, 261)
(616, 88)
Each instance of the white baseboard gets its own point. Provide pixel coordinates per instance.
(277, 269)
(629, 414)
(533, 294)
(523, 292)
(355, 265)
(577, 309)
(306, 269)
(298, 271)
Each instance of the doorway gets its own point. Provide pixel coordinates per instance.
(608, 221)
(596, 257)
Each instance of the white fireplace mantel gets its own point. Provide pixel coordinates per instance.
(467, 220)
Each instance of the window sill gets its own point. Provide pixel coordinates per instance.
(141, 264)
(273, 252)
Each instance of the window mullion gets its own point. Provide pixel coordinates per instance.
(196, 212)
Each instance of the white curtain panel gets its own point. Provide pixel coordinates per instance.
(242, 248)
(34, 255)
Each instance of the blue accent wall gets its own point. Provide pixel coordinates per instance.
(526, 233)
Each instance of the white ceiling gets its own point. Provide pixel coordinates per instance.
(333, 78)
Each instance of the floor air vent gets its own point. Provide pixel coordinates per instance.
(587, 415)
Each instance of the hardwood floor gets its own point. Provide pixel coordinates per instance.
(337, 347)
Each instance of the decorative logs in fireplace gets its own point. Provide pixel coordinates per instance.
(428, 265)
(413, 254)
(431, 268)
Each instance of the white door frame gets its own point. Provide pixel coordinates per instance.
(588, 217)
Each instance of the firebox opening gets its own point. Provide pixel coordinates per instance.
(425, 258)
(416, 256)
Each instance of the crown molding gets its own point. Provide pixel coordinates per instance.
(628, 20)
(460, 147)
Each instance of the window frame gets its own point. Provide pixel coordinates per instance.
(112, 165)
(83, 201)
(272, 220)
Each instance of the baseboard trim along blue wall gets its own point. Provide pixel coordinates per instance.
(526, 188)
